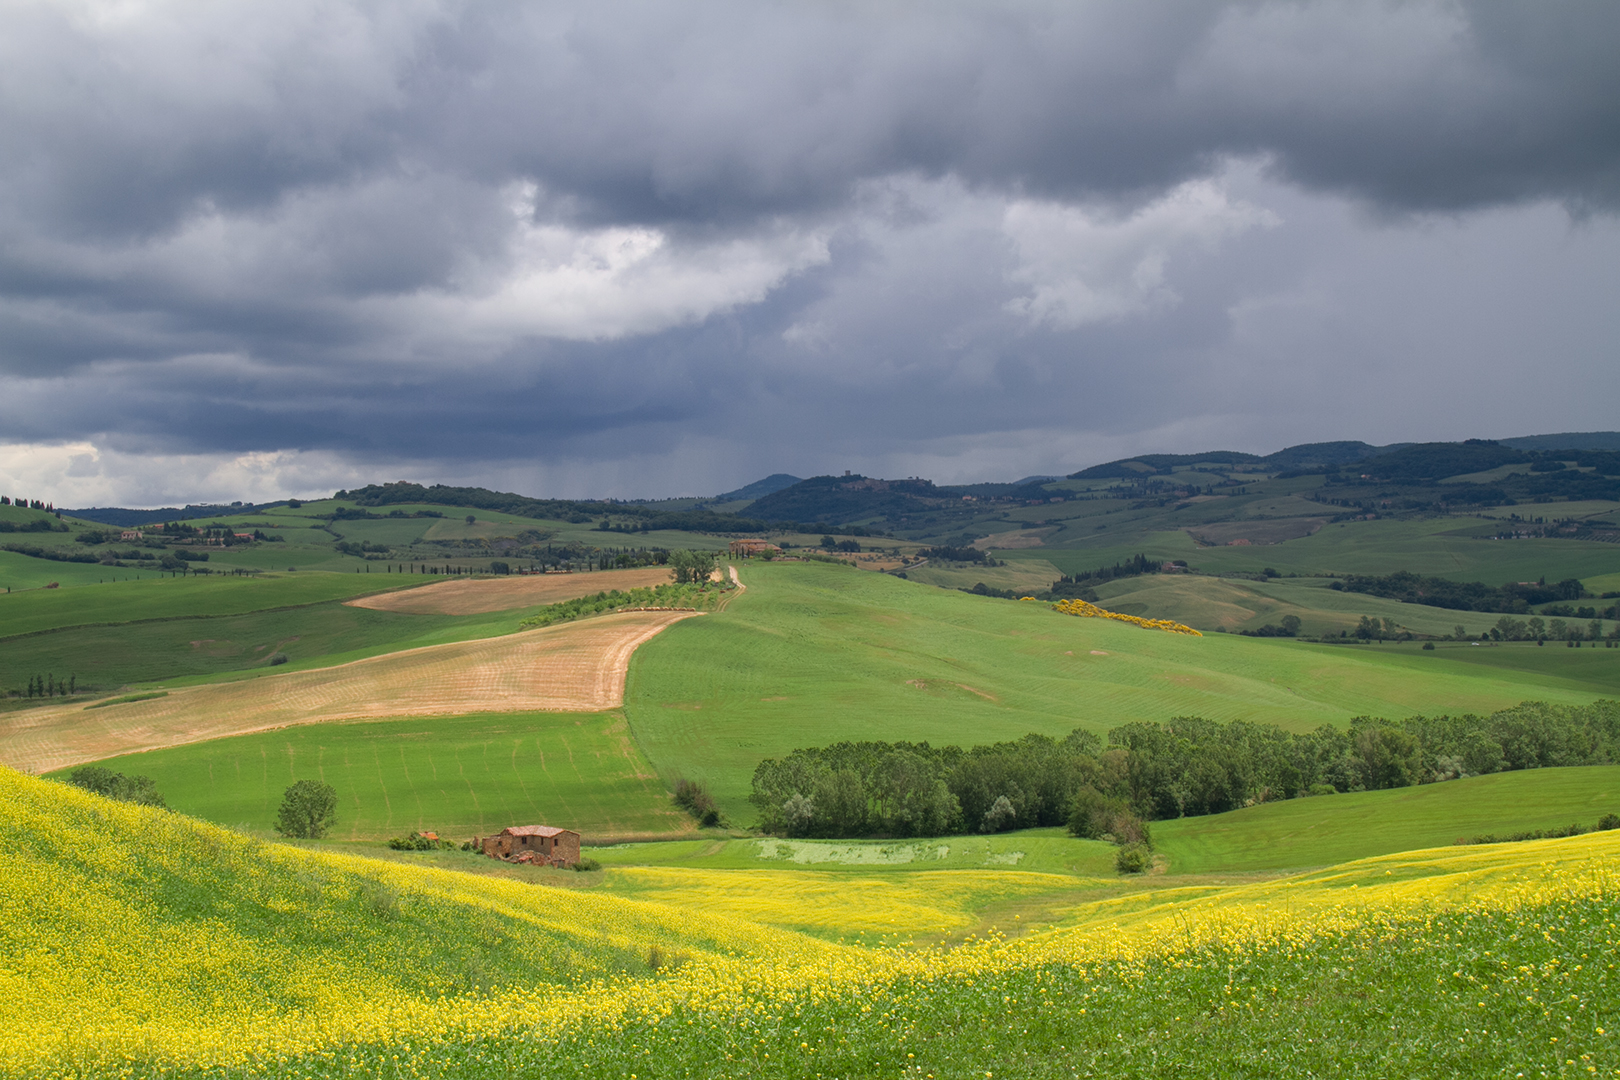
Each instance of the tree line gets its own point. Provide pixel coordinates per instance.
(1513, 598)
(1184, 767)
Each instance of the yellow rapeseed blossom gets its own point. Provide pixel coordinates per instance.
(127, 932)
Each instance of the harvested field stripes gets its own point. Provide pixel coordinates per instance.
(508, 592)
(578, 667)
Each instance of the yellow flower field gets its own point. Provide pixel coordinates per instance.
(134, 934)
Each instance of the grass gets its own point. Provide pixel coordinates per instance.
(459, 776)
(179, 598)
(152, 945)
(812, 654)
(1338, 828)
(1292, 835)
(179, 651)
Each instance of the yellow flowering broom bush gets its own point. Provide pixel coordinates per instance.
(1092, 611)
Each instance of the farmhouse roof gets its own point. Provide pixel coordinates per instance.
(533, 830)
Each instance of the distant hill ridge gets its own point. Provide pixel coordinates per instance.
(760, 488)
(783, 499)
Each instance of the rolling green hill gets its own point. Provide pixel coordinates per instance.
(813, 654)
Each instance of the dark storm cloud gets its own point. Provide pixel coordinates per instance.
(486, 232)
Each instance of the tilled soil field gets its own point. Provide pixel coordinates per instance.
(474, 597)
(575, 667)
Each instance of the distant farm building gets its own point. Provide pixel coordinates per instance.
(131, 534)
(538, 844)
(747, 549)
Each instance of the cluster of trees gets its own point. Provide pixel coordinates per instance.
(1512, 598)
(832, 543)
(1187, 766)
(981, 589)
(1080, 586)
(1289, 628)
(1508, 628)
(28, 504)
(691, 567)
(953, 554)
(115, 785)
(37, 525)
(51, 686)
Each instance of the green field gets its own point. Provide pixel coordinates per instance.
(813, 654)
(459, 776)
(1234, 604)
(180, 650)
(1338, 828)
(1292, 835)
(181, 598)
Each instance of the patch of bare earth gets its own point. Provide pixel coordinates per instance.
(575, 667)
(474, 597)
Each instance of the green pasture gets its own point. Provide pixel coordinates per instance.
(1208, 603)
(1050, 851)
(177, 651)
(21, 572)
(1331, 829)
(1442, 547)
(458, 776)
(1025, 575)
(812, 654)
(153, 597)
(1290, 835)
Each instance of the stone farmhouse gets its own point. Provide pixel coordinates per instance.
(746, 549)
(539, 844)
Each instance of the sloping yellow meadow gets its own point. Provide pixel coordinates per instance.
(131, 932)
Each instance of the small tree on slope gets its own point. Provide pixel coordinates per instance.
(308, 809)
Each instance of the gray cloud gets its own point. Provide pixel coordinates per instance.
(603, 247)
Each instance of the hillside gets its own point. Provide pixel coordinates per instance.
(812, 654)
(181, 949)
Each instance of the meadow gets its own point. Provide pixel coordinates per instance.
(179, 949)
(154, 598)
(1292, 834)
(460, 776)
(814, 653)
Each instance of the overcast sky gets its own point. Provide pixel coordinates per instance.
(642, 249)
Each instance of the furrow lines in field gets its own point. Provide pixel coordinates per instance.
(575, 667)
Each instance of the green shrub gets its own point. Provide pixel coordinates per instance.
(418, 842)
(1133, 859)
(586, 864)
(694, 798)
(114, 785)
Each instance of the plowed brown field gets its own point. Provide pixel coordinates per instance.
(575, 667)
(509, 591)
